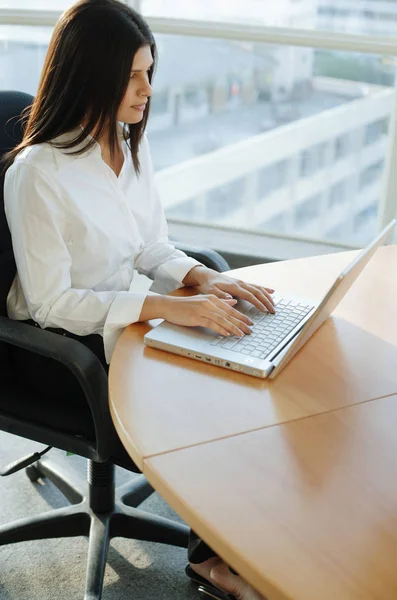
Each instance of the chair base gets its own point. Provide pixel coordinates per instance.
(99, 511)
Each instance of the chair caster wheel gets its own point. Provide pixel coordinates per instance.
(33, 473)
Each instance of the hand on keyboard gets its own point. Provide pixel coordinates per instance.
(269, 330)
(204, 311)
(209, 281)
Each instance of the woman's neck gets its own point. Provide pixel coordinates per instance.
(103, 141)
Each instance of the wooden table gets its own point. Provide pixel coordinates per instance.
(292, 481)
(305, 511)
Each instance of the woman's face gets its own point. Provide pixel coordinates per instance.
(139, 89)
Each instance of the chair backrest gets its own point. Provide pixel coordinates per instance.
(11, 106)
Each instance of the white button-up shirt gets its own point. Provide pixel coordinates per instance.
(78, 231)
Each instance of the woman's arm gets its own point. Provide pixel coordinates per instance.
(38, 222)
(158, 259)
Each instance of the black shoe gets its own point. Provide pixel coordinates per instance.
(213, 593)
(206, 588)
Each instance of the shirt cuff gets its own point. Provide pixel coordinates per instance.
(169, 277)
(124, 310)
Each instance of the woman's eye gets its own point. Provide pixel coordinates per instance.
(147, 73)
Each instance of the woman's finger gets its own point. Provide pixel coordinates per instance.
(226, 307)
(223, 313)
(263, 303)
(238, 321)
(225, 322)
(207, 322)
(260, 293)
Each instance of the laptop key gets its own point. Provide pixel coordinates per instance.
(229, 344)
(217, 340)
(268, 330)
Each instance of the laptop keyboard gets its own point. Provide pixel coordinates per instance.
(268, 329)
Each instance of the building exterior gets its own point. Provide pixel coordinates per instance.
(369, 17)
(317, 177)
(326, 183)
(332, 132)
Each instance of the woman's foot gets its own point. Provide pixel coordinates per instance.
(204, 568)
(218, 573)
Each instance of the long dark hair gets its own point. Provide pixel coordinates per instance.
(85, 76)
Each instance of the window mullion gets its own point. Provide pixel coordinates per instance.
(388, 201)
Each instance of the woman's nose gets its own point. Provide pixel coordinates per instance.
(146, 90)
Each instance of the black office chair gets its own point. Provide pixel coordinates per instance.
(82, 425)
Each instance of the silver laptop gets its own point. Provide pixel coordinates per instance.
(275, 338)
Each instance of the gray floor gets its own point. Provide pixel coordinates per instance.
(55, 569)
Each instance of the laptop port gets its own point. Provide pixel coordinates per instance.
(227, 364)
(208, 359)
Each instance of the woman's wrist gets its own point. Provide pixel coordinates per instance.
(155, 307)
(198, 275)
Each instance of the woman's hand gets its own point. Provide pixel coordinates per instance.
(209, 281)
(206, 311)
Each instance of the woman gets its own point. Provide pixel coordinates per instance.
(83, 210)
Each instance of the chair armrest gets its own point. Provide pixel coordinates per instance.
(76, 357)
(209, 258)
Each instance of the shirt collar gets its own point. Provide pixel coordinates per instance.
(65, 154)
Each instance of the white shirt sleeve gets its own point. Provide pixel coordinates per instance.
(37, 221)
(158, 259)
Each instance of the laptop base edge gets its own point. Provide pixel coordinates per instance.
(215, 361)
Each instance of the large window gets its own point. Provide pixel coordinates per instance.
(267, 138)
(294, 144)
(22, 53)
